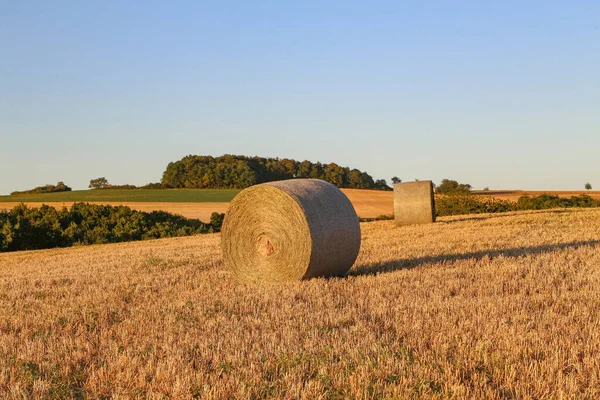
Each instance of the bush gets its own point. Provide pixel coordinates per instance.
(24, 228)
(546, 201)
(459, 205)
(59, 187)
(157, 185)
(382, 217)
(453, 187)
(216, 220)
(102, 183)
(126, 186)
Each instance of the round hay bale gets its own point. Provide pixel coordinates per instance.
(290, 230)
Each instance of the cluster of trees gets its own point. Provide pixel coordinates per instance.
(59, 187)
(451, 187)
(102, 183)
(458, 205)
(24, 228)
(238, 172)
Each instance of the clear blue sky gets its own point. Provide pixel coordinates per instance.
(499, 94)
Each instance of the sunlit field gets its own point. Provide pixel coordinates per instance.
(486, 306)
(126, 196)
(191, 203)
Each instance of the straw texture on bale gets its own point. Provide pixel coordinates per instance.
(414, 203)
(290, 230)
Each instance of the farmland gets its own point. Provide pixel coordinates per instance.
(192, 203)
(127, 196)
(200, 203)
(486, 306)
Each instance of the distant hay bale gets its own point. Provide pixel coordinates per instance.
(290, 230)
(414, 203)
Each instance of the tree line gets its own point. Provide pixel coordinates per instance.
(59, 187)
(239, 172)
(471, 204)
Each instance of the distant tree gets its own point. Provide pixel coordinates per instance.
(59, 187)
(588, 186)
(453, 187)
(99, 183)
(304, 169)
(486, 189)
(395, 180)
(381, 184)
(153, 186)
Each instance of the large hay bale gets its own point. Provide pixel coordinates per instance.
(290, 230)
(414, 203)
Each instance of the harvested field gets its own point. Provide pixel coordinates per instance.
(371, 203)
(368, 204)
(487, 306)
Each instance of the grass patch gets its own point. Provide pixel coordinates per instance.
(129, 195)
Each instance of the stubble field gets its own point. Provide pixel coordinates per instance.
(487, 306)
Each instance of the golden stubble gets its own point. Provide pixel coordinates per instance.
(489, 306)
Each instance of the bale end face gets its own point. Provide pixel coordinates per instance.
(414, 203)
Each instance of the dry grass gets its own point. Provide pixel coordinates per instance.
(500, 306)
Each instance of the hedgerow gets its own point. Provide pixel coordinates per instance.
(59, 187)
(25, 228)
(473, 204)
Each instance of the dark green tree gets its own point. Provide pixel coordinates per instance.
(588, 186)
(453, 187)
(381, 184)
(59, 187)
(99, 183)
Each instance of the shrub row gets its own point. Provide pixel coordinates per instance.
(128, 186)
(59, 187)
(25, 228)
(471, 204)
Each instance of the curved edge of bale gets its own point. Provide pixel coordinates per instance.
(333, 223)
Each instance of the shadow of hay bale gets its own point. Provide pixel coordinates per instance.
(395, 265)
